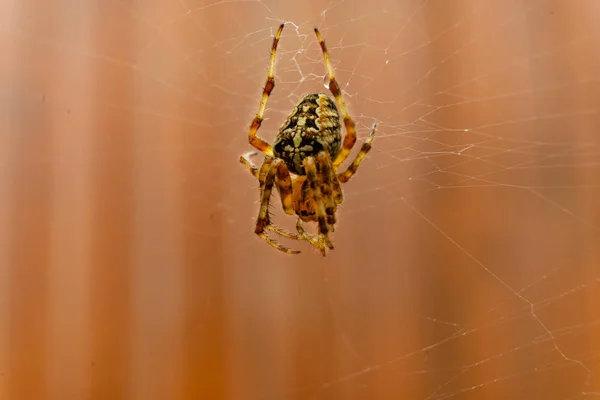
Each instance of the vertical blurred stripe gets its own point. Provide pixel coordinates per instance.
(68, 338)
(28, 169)
(113, 212)
(7, 87)
(157, 308)
(585, 130)
(207, 344)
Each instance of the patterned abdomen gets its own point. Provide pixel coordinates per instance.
(313, 126)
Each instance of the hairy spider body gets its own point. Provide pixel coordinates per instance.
(303, 161)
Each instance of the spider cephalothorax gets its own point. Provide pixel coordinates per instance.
(303, 162)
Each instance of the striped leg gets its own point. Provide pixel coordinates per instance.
(325, 170)
(284, 185)
(245, 159)
(303, 235)
(254, 140)
(347, 174)
(350, 137)
(262, 222)
(315, 188)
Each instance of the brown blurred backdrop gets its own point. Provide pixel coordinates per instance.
(466, 262)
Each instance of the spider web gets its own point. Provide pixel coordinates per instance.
(466, 260)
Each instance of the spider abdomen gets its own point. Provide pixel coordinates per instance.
(312, 126)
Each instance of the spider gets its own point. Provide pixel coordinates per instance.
(303, 162)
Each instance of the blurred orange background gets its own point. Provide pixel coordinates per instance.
(467, 253)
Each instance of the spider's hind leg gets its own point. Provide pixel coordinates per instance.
(325, 172)
(284, 186)
(263, 222)
(313, 240)
(319, 205)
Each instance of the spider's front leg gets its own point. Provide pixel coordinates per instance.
(253, 138)
(334, 87)
(245, 160)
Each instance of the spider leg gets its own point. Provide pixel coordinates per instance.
(300, 228)
(338, 195)
(315, 188)
(245, 159)
(284, 185)
(262, 222)
(303, 235)
(283, 182)
(283, 233)
(255, 140)
(350, 137)
(264, 169)
(347, 174)
(325, 171)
